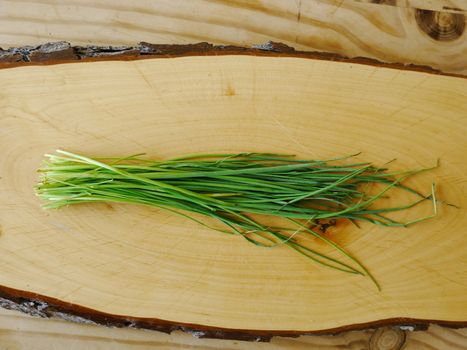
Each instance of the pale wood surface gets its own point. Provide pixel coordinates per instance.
(351, 28)
(136, 261)
(18, 332)
(345, 27)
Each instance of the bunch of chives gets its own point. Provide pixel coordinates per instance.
(240, 191)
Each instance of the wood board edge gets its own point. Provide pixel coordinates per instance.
(62, 52)
(47, 307)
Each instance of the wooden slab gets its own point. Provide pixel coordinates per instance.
(125, 262)
(425, 32)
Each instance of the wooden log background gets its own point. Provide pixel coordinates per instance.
(19, 331)
(407, 31)
(431, 33)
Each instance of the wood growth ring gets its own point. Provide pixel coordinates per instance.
(441, 26)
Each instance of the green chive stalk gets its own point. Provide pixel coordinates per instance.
(240, 191)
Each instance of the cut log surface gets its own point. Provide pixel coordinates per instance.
(126, 263)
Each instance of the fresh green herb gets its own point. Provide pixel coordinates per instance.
(240, 191)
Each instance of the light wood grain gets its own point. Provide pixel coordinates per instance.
(142, 262)
(21, 332)
(350, 28)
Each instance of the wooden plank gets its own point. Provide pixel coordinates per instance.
(21, 332)
(388, 33)
(205, 104)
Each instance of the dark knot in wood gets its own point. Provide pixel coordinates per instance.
(387, 338)
(439, 25)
